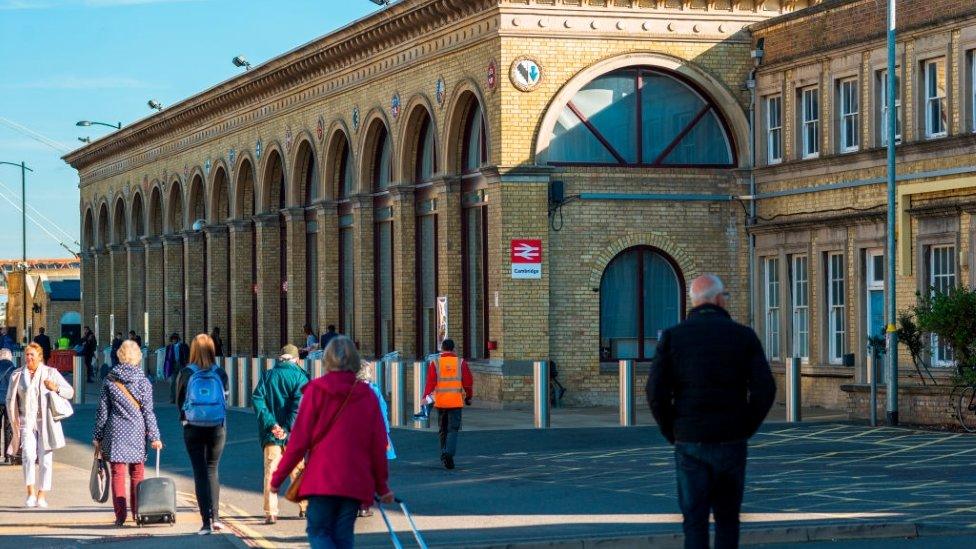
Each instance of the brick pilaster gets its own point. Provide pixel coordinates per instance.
(194, 259)
(268, 227)
(120, 287)
(136, 254)
(155, 297)
(297, 288)
(173, 288)
(241, 335)
(218, 286)
(327, 218)
(404, 271)
(362, 228)
(449, 255)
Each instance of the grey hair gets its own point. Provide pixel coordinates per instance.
(5, 354)
(713, 290)
(365, 371)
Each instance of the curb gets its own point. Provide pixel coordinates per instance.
(748, 537)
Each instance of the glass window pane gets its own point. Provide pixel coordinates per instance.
(384, 264)
(475, 291)
(428, 283)
(572, 141)
(662, 299)
(348, 282)
(667, 107)
(704, 144)
(609, 103)
(348, 172)
(384, 163)
(426, 170)
(474, 143)
(619, 306)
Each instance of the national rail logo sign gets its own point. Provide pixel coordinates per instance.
(526, 259)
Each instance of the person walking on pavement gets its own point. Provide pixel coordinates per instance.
(88, 346)
(201, 397)
(311, 341)
(709, 389)
(327, 337)
(340, 429)
(124, 423)
(7, 368)
(449, 388)
(218, 343)
(45, 342)
(175, 359)
(275, 401)
(35, 431)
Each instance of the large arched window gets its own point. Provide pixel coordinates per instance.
(640, 296)
(475, 139)
(640, 117)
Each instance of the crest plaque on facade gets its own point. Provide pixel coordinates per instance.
(526, 74)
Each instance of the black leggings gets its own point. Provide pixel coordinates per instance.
(204, 445)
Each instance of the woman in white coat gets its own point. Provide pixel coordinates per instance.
(35, 430)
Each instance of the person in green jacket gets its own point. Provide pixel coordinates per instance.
(275, 401)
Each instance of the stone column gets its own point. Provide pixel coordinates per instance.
(327, 217)
(269, 282)
(365, 289)
(173, 285)
(89, 302)
(218, 290)
(136, 257)
(155, 294)
(120, 287)
(404, 271)
(103, 267)
(449, 256)
(295, 275)
(240, 336)
(194, 257)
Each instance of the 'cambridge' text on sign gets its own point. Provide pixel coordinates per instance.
(526, 258)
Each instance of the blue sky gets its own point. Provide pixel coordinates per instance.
(62, 61)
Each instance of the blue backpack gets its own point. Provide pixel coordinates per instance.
(205, 405)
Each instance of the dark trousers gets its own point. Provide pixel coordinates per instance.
(89, 369)
(6, 432)
(331, 522)
(136, 473)
(204, 445)
(450, 424)
(711, 477)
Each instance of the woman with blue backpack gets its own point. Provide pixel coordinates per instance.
(201, 396)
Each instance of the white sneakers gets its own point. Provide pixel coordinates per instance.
(32, 502)
(42, 503)
(217, 526)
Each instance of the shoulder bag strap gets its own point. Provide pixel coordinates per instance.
(125, 391)
(332, 421)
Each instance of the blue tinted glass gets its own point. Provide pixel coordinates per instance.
(668, 106)
(572, 141)
(619, 306)
(704, 144)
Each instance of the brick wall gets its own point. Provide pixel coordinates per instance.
(932, 405)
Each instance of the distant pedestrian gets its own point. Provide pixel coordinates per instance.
(327, 337)
(174, 360)
(365, 375)
(35, 431)
(449, 387)
(7, 368)
(311, 341)
(124, 423)
(218, 343)
(709, 389)
(116, 345)
(340, 429)
(6, 342)
(88, 346)
(275, 401)
(133, 336)
(201, 397)
(64, 343)
(45, 342)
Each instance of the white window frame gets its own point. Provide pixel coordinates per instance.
(836, 308)
(800, 283)
(942, 275)
(883, 101)
(929, 68)
(848, 110)
(771, 304)
(810, 121)
(871, 281)
(774, 129)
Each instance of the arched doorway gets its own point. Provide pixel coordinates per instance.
(641, 295)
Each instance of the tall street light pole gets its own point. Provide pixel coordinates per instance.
(891, 343)
(23, 228)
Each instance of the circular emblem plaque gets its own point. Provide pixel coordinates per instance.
(526, 74)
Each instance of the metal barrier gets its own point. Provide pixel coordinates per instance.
(873, 379)
(397, 393)
(318, 368)
(243, 385)
(628, 412)
(230, 368)
(540, 371)
(419, 384)
(793, 391)
(78, 377)
(380, 377)
(257, 366)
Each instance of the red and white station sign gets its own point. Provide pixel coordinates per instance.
(526, 258)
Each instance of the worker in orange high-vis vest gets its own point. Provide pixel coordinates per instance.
(450, 385)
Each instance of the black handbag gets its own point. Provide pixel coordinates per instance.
(99, 481)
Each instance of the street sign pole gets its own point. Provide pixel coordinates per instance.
(891, 340)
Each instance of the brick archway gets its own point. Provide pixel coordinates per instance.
(655, 239)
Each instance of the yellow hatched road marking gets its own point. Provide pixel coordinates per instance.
(248, 535)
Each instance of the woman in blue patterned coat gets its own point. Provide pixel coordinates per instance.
(124, 424)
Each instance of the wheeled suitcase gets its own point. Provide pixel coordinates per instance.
(156, 501)
(413, 526)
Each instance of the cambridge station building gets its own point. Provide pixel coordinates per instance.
(603, 145)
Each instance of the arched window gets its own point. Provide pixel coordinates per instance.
(640, 296)
(383, 162)
(475, 142)
(426, 156)
(346, 170)
(640, 117)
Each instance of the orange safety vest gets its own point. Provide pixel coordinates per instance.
(449, 392)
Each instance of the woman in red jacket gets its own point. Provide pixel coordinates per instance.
(340, 429)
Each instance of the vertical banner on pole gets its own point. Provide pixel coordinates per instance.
(442, 321)
(111, 326)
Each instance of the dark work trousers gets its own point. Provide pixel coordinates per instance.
(204, 445)
(89, 369)
(450, 424)
(331, 522)
(711, 477)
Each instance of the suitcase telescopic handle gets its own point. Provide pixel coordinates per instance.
(157, 462)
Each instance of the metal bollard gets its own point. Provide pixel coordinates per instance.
(243, 392)
(628, 412)
(419, 384)
(397, 394)
(380, 376)
(78, 380)
(269, 364)
(257, 366)
(318, 368)
(873, 378)
(793, 391)
(540, 371)
(230, 368)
